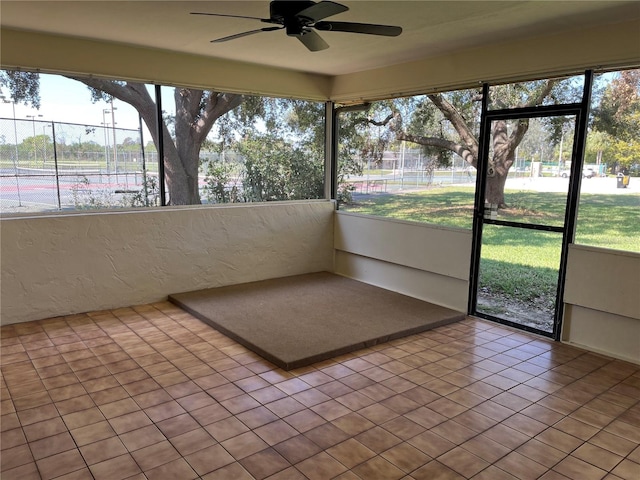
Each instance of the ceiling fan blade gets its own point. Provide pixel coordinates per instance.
(230, 16)
(244, 34)
(313, 41)
(367, 28)
(322, 10)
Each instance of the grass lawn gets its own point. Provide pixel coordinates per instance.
(441, 206)
(516, 262)
(610, 221)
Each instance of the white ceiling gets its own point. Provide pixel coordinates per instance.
(430, 27)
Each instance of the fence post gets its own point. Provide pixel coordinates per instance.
(16, 159)
(402, 167)
(55, 161)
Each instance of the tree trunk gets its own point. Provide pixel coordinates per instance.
(495, 190)
(504, 154)
(181, 171)
(183, 187)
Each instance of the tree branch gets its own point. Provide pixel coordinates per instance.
(381, 123)
(536, 98)
(217, 104)
(459, 123)
(462, 150)
(134, 94)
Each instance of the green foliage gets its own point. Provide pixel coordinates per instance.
(417, 116)
(618, 112)
(23, 86)
(598, 147)
(287, 163)
(100, 96)
(617, 119)
(218, 179)
(276, 170)
(425, 119)
(147, 196)
(130, 145)
(520, 94)
(35, 148)
(87, 198)
(626, 153)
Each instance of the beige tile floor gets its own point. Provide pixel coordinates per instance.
(151, 392)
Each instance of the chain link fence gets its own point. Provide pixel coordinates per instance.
(408, 169)
(47, 166)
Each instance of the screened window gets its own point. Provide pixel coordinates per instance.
(548, 91)
(609, 209)
(88, 143)
(404, 158)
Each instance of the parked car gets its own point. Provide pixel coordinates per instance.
(588, 172)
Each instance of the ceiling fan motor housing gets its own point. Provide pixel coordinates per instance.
(285, 10)
(286, 13)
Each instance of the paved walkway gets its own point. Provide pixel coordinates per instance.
(589, 185)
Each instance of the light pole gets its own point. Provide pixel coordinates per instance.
(44, 144)
(46, 139)
(15, 133)
(563, 130)
(33, 122)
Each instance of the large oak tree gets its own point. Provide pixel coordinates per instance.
(461, 112)
(196, 113)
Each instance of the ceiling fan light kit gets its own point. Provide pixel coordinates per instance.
(300, 19)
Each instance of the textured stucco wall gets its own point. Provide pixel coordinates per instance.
(64, 264)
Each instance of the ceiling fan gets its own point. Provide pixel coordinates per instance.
(299, 18)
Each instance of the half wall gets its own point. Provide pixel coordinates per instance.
(71, 263)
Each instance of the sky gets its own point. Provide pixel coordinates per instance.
(69, 101)
(66, 100)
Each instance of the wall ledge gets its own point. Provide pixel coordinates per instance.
(609, 251)
(406, 222)
(143, 210)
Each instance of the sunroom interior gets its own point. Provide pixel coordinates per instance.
(77, 263)
(58, 266)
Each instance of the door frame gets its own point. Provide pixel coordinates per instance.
(581, 112)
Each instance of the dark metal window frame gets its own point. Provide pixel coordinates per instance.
(581, 112)
(159, 123)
